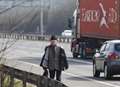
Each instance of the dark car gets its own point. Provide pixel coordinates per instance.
(107, 59)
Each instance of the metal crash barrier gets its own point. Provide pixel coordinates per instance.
(27, 73)
(33, 37)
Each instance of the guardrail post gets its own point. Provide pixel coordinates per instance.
(11, 79)
(1, 79)
(51, 83)
(38, 82)
(24, 80)
(43, 81)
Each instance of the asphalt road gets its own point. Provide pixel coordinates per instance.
(79, 73)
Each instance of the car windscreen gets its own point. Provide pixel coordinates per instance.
(117, 47)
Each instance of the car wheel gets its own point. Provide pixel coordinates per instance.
(96, 73)
(107, 74)
(75, 55)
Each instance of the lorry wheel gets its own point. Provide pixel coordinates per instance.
(75, 55)
(96, 73)
(107, 74)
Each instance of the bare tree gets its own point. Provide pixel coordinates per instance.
(7, 43)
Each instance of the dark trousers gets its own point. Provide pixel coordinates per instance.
(57, 73)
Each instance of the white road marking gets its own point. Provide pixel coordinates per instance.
(100, 82)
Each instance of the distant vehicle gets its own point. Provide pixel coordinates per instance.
(67, 33)
(107, 60)
(94, 24)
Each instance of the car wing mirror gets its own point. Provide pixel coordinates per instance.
(70, 22)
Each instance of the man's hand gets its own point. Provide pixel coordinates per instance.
(66, 67)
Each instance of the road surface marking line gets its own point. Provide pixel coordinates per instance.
(82, 61)
(85, 62)
(100, 82)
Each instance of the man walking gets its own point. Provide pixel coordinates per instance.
(54, 59)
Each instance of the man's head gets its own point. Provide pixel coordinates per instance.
(53, 40)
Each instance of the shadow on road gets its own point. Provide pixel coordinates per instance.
(77, 79)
